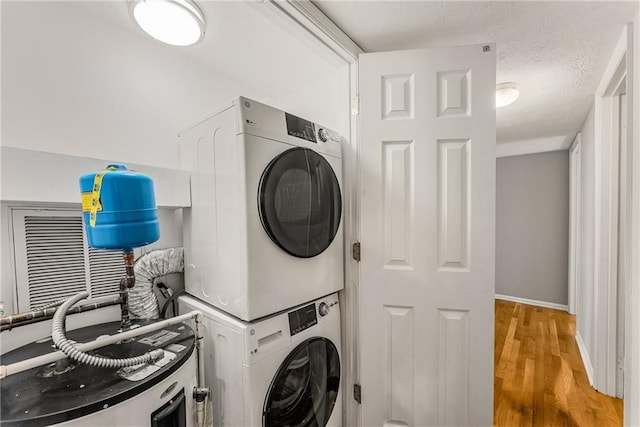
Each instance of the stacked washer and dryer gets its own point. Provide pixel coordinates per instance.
(263, 262)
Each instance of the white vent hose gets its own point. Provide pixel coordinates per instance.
(143, 303)
(67, 346)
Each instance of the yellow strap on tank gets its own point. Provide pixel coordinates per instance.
(95, 195)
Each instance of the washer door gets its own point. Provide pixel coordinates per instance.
(299, 202)
(304, 391)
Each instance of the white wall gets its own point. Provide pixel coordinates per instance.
(585, 300)
(593, 336)
(532, 226)
(78, 84)
(73, 83)
(318, 103)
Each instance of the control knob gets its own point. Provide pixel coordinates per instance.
(323, 309)
(322, 134)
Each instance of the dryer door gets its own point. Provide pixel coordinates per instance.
(299, 202)
(304, 391)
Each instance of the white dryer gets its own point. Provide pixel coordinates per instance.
(284, 370)
(264, 231)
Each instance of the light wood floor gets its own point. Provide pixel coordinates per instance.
(539, 376)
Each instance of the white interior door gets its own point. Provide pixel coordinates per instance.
(428, 236)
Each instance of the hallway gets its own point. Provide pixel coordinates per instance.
(539, 375)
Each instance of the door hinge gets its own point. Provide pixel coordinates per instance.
(355, 251)
(357, 393)
(355, 105)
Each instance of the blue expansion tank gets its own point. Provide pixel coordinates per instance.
(119, 209)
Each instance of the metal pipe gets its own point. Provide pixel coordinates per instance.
(200, 410)
(199, 348)
(27, 318)
(201, 393)
(127, 282)
(51, 304)
(34, 362)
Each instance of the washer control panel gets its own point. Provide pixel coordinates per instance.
(309, 315)
(302, 318)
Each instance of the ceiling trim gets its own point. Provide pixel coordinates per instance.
(533, 146)
(312, 19)
(617, 56)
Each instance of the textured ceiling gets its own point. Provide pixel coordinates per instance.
(555, 51)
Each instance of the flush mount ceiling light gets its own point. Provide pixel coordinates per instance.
(175, 22)
(506, 93)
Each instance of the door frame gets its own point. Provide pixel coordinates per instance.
(575, 215)
(617, 74)
(304, 18)
(632, 309)
(315, 28)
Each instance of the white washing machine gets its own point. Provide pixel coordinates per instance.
(284, 370)
(264, 231)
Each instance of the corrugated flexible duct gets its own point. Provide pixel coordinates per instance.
(143, 303)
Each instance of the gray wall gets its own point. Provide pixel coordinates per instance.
(532, 226)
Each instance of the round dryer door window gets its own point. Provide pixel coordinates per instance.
(299, 202)
(304, 391)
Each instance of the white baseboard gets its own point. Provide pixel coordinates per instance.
(585, 357)
(545, 304)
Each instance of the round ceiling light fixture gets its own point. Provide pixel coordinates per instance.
(175, 22)
(506, 93)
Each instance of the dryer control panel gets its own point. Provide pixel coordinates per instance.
(300, 128)
(261, 120)
(309, 131)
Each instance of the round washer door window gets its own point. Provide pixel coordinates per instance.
(304, 391)
(299, 202)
